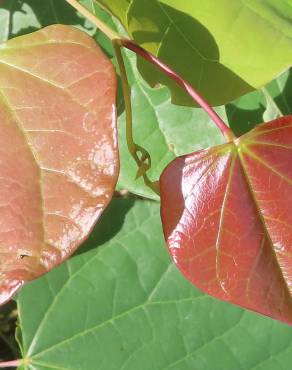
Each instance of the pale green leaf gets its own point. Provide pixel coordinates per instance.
(164, 130)
(223, 48)
(272, 111)
(244, 113)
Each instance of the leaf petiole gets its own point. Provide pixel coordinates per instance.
(144, 160)
(226, 131)
(129, 44)
(14, 363)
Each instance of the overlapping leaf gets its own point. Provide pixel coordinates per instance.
(227, 219)
(59, 155)
(161, 128)
(122, 304)
(220, 47)
(164, 129)
(263, 105)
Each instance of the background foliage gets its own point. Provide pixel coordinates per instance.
(119, 303)
(205, 35)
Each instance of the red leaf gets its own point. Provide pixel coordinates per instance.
(227, 219)
(58, 149)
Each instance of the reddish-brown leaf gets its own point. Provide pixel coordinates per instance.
(227, 219)
(58, 149)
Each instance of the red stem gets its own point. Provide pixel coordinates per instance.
(14, 363)
(226, 131)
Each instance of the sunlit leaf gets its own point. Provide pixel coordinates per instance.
(59, 155)
(121, 304)
(223, 48)
(227, 219)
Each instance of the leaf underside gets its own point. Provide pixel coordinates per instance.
(226, 214)
(59, 156)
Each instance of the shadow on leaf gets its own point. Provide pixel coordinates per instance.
(246, 112)
(182, 38)
(108, 225)
(44, 13)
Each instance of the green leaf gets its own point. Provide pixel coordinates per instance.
(220, 47)
(123, 305)
(280, 89)
(272, 111)
(164, 130)
(21, 17)
(253, 108)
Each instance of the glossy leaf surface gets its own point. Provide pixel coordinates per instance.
(227, 219)
(220, 47)
(120, 304)
(59, 155)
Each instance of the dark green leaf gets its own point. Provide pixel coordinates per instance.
(244, 113)
(21, 17)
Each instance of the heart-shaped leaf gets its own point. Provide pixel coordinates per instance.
(220, 47)
(227, 218)
(59, 155)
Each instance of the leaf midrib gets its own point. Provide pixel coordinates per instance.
(240, 148)
(221, 220)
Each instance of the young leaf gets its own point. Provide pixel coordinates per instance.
(59, 155)
(226, 213)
